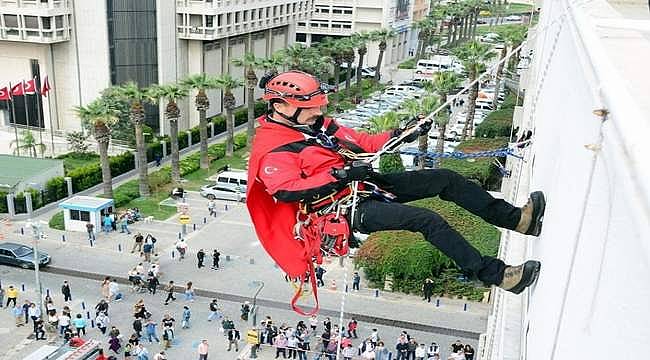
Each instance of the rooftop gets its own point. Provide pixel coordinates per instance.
(19, 168)
(85, 202)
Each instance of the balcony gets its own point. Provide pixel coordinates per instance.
(36, 21)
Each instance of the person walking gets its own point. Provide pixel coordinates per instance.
(12, 295)
(102, 306)
(152, 284)
(105, 288)
(200, 256)
(189, 292)
(64, 322)
(203, 350)
(181, 247)
(427, 289)
(356, 280)
(137, 327)
(65, 290)
(138, 239)
(102, 322)
(114, 290)
(90, 228)
(214, 309)
(124, 225)
(233, 339)
(108, 223)
(168, 325)
(319, 272)
(18, 315)
(352, 328)
(170, 292)
(25, 308)
(151, 330)
(212, 208)
(275, 196)
(185, 322)
(80, 324)
(147, 249)
(215, 259)
(34, 314)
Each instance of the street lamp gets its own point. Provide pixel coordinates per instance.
(36, 231)
(253, 315)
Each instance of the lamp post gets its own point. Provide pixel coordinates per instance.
(253, 315)
(36, 231)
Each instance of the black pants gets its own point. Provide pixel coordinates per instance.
(11, 300)
(170, 296)
(375, 215)
(355, 286)
(67, 297)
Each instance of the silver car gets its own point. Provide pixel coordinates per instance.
(224, 192)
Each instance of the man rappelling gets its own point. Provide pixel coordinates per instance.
(306, 181)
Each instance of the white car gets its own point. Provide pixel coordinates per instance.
(513, 18)
(368, 72)
(223, 191)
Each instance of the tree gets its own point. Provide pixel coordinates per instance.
(361, 39)
(201, 82)
(171, 93)
(391, 162)
(294, 55)
(347, 48)
(382, 36)
(77, 141)
(274, 62)
(29, 144)
(227, 84)
(250, 63)
(427, 28)
(474, 55)
(442, 84)
(101, 116)
(512, 38)
(134, 96)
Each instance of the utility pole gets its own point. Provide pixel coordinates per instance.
(253, 316)
(36, 230)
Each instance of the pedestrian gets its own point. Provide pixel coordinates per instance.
(352, 328)
(469, 352)
(113, 217)
(214, 308)
(34, 314)
(105, 288)
(102, 306)
(212, 208)
(114, 332)
(49, 304)
(152, 284)
(168, 325)
(65, 290)
(25, 308)
(170, 292)
(114, 344)
(64, 322)
(381, 353)
(12, 295)
(90, 228)
(108, 223)
(38, 329)
(185, 323)
(215, 259)
(102, 322)
(124, 225)
(160, 356)
(189, 292)
(141, 352)
(356, 280)
(147, 249)
(280, 344)
(80, 324)
(200, 256)
(433, 350)
(114, 290)
(157, 158)
(327, 323)
(166, 339)
(412, 346)
(313, 322)
(319, 272)
(18, 315)
(137, 244)
(151, 331)
(348, 352)
(2, 297)
(233, 339)
(245, 310)
(137, 327)
(427, 289)
(181, 247)
(203, 350)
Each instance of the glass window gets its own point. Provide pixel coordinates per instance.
(47, 23)
(244, 182)
(347, 11)
(234, 181)
(347, 26)
(58, 22)
(237, 17)
(74, 215)
(31, 22)
(222, 179)
(11, 20)
(84, 215)
(209, 21)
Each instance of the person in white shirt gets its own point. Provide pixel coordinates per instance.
(102, 322)
(114, 290)
(181, 247)
(64, 323)
(154, 268)
(458, 355)
(349, 352)
(420, 352)
(313, 322)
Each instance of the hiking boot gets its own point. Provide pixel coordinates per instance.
(517, 278)
(532, 215)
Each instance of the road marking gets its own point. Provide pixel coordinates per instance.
(231, 222)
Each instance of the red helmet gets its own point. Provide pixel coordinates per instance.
(298, 89)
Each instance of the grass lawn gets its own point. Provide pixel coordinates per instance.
(149, 206)
(408, 64)
(73, 161)
(515, 8)
(195, 180)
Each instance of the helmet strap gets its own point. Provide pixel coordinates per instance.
(293, 118)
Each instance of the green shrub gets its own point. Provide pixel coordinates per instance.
(408, 64)
(57, 221)
(90, 175)
(482, 170)
(390, 163)
(182, 140)
(3, 202)
(55, 189)
(497, 123)
(158, 179)
(126, 192)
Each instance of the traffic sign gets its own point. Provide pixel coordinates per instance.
(252, 337)
(182, 208)
(184, 219)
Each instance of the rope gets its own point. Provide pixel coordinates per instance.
(461, 155)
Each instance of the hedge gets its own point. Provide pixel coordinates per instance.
(57, 221)
(481, 170)
(497, 123)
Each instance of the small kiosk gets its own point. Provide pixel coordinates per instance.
(80, 210)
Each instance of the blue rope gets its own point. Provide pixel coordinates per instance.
(461, 155)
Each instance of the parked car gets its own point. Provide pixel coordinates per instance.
(21, 255)
(513, 18)
(223, 191)
(368, 72)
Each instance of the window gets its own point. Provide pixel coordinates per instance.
(347, 26)
(58, 22)
(219, 20)
(302, 23)
(80, 215)
(4, 252)
(31, 22)
(11, 21)
(347, 12)
(47, 23)
(209, 21)
(337, 11)
(237, 17)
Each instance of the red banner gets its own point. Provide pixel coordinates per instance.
(46, 86)
(30, 86)
(4, 93)
(18, 90)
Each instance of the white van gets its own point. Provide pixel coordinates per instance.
(484, 105)
(435, 64)
(236, 177)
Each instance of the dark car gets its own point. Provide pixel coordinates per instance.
(21, 255)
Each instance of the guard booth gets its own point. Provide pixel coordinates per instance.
(80, 210)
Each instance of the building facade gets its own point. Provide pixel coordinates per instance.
(340, 18)
(86, 46)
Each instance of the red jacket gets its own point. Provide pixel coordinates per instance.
(285, 169)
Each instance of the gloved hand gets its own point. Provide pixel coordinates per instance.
(422, 129)
(356, 171)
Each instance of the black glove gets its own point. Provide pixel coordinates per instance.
(422, 129)
(356, 171)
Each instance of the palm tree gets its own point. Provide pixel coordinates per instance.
(227, 84)
(171, 93)
(427, 27)
(474, 55)
(201, 82)
(361, 39)
(251, 63)
(294, 55)
(100, 116)
(442, 84)
(390, 162)
(334, 49)
(382, 36)
(29, 144)
(347, 48)
(512, 38)
(475, 8)
(134, 96)
(273, 62)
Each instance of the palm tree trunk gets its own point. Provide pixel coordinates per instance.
(471, 106)
(348, 76)
(475, 24)
(230, 132)
(380, 59)
(107, 180)
(337, 72)
(360, 67)
(449, 26)
(141, 159)
(499, 75)
(173, 137)
(423, 146)
(250, 126)
(440, 143)
(203, 135)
